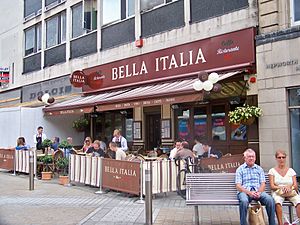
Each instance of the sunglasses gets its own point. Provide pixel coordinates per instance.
(87, 141)
(281, 157)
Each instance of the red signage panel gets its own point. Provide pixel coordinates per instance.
(121, 175)
(231, 50)
(78, 78)
(7, 159)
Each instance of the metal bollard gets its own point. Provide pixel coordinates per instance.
(100, 179)
(31, 171)
(69, 173)
(141, 200)
(148, 203)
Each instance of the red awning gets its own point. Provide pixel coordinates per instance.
(152, 94)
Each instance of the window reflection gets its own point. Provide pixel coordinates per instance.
(183, 124)
(200, 123)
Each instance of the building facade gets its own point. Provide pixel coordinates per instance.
(138, 61)
(278, 73)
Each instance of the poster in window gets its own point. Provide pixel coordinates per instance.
(218, 127)
(239, 132)
(183, 128)
(129, 130)
(200, 126)
(137, 130)
(166, 129)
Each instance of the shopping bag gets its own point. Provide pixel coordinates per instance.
(287, 222)
(256, 215)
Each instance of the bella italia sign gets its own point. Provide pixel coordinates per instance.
(228, 51)
(121, 175)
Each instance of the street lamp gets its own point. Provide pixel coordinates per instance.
(207, 82)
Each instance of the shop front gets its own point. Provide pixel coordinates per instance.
(151, 98)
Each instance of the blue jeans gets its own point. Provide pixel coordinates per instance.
(265, 199)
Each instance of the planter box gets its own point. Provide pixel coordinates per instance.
(63, 180)
(46, 175)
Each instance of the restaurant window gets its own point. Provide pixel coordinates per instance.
(33, 41)
(238, 131)
(183, 118)
(200, 123)
(294, 114)
(295, 12)
(115, 10)
(218, 123)
(149, 4)
(56, 30)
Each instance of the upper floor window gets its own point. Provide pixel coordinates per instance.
(295, 12)
(56, 30)
(33, 40)
(114, 10)
(149, 4)
(32, 8)
(84, 17)
(90, 14)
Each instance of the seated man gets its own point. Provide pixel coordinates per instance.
(209, 152)
(178, 146)
(120, 154)
(96, 150)
(184, 153)
(250, 183)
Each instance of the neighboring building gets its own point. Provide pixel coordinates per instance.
(278, 72)
(138, 61)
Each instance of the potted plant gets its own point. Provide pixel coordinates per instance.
(66, 147)
(46, 145)
(63, 166)
(80, 124)
(47, 161)
(244, 114)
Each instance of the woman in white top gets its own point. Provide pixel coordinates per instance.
(284, 178)
(198, 148)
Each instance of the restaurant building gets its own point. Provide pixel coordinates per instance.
(137, 61)
(278, 72)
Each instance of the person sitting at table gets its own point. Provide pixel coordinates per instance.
(55, 143)
(95, 150)
(86, 144)
(197, 148)
(120, 140)
(21, 144)
(120, 154)
(178, 146)
(209, 152)
(184, 153)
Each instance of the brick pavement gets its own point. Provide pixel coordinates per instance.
(51, 203)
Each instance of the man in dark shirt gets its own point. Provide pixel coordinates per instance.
(209, 152)
(95, 149)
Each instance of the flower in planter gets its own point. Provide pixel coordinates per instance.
(244, 113)
(80, 124)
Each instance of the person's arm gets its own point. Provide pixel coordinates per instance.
(272, 184)
(34, 139)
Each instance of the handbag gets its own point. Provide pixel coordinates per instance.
(286, 195)
(256, 215)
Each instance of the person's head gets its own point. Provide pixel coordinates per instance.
(117, 133)
(56, 139)
(40, 129)
(96, 144)
(185, 144)
(21, 141)
(249, 157)
(87, 141)
(205, 146)
(178, 144)
(197, 140)
(70, 140)
(113, 146)
(280, 156)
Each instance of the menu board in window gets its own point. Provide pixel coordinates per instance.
(137, 130)
(129, 130)
(166, 129)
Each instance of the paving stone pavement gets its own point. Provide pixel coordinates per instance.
(54, 204)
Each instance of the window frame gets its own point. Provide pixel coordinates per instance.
(292, 14)
(37, 45)
(123, 14)
(166, 2)
(59, 29)
(93, 24)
